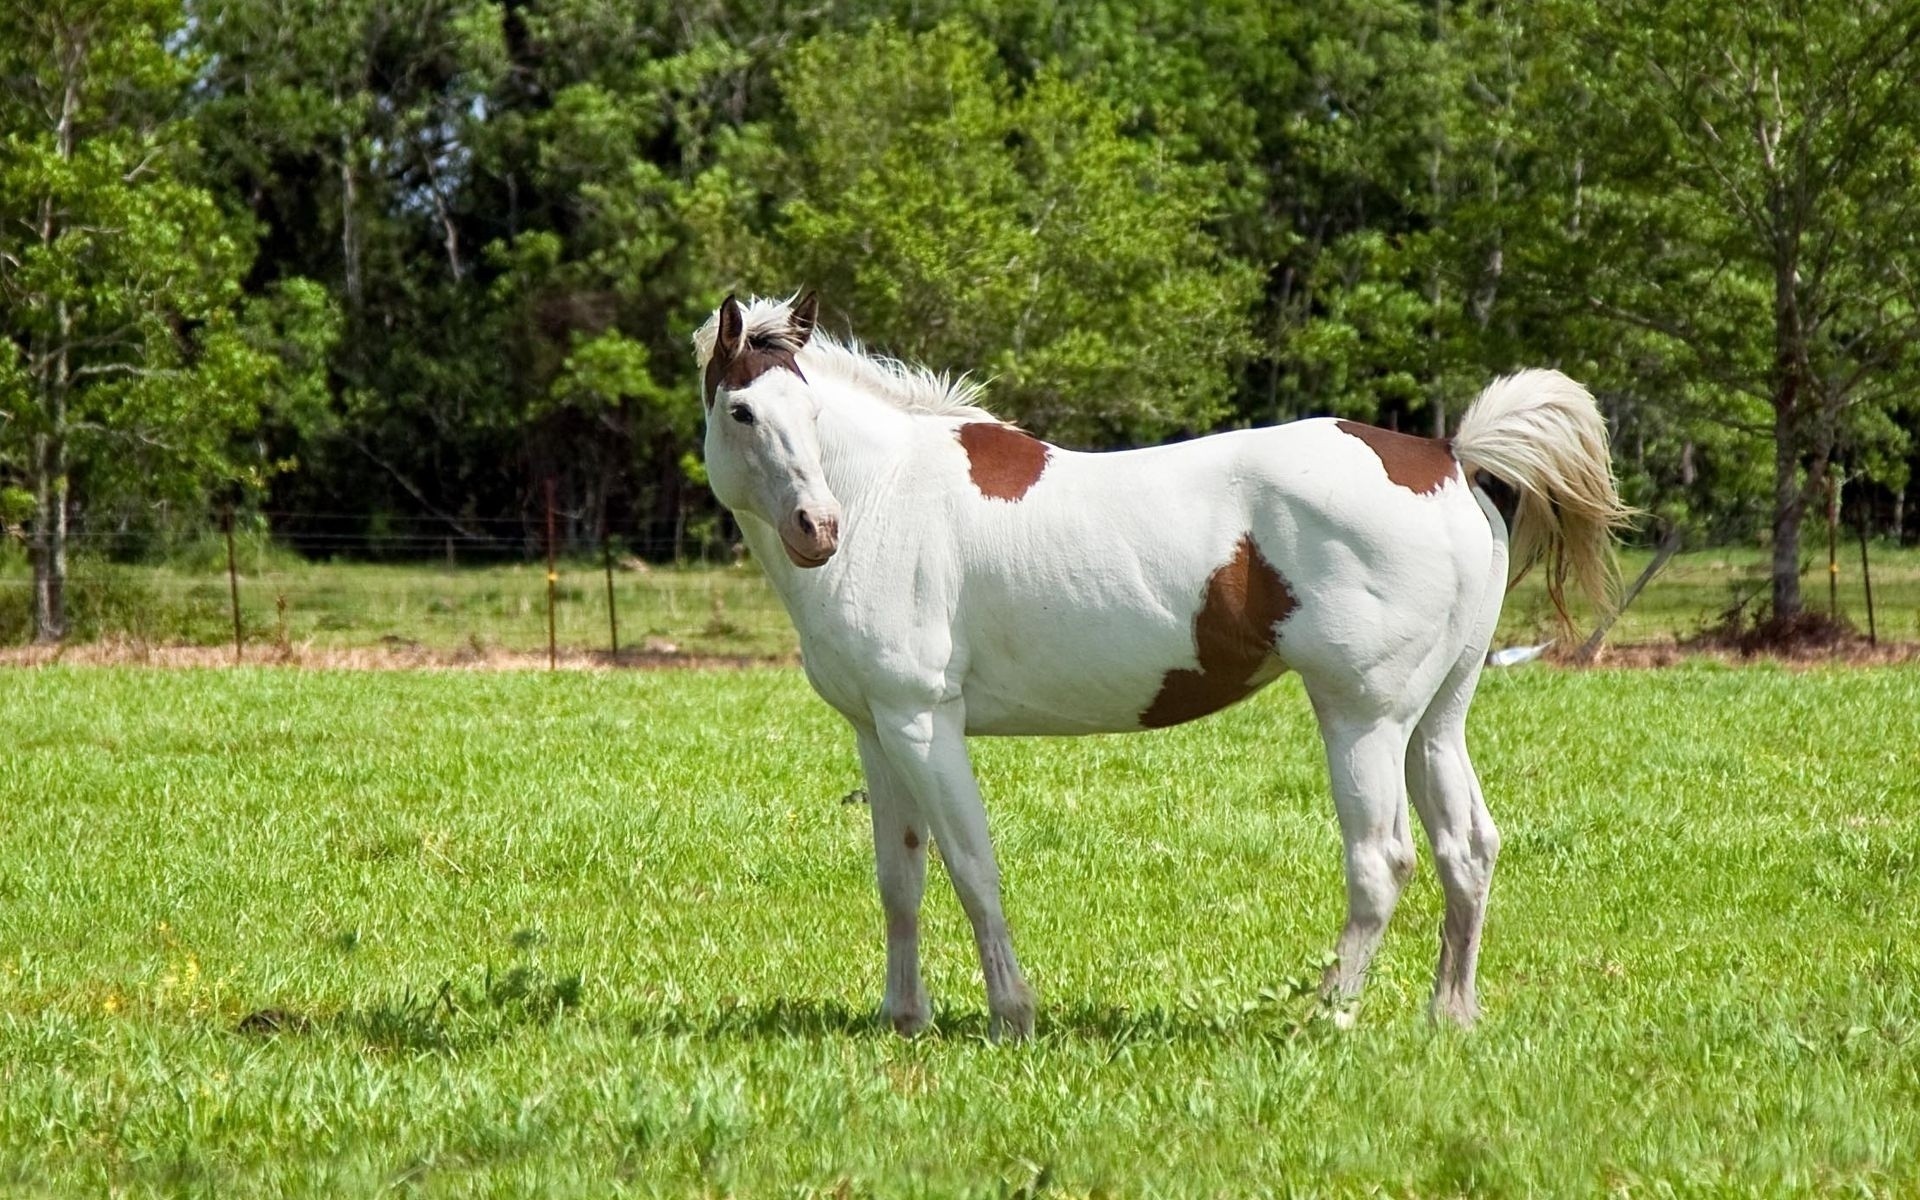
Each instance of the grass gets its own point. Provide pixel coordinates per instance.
(315, 933)
(730, 611)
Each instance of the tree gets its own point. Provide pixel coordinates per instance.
(1751, 206)
(1017, 232)
(131, 353)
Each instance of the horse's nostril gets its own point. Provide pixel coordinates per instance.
(805, 522)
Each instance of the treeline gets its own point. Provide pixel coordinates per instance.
(399, 259)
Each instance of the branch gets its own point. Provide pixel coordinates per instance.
(125, 369)
(1686, 336)
(1732, 189)
(459, 526)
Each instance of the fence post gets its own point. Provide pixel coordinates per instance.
(1833, 556)
(1866, 576)
(233, 582)
(613, 615)
(553, 581)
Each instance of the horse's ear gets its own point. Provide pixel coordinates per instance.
(806, 315)
(733, 325)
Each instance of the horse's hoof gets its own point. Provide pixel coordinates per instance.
(1012, 1024)
(1453, 1014)
(907, 1022)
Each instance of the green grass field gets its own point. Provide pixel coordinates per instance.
(614, 933)
(722, 611)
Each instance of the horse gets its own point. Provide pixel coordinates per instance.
(951, 576)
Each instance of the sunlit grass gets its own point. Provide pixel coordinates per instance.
(616, 933)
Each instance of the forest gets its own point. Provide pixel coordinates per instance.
(340, 265)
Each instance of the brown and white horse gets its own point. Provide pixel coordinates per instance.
(951, 576)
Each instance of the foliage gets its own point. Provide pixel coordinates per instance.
(1138, 218)
(1016, 232)
(134, 365)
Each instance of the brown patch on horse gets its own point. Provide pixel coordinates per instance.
(755, 359)
(1233, 636)
(1003, 461)
(1419, 464)
(913, 840)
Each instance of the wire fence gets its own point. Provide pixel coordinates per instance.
(323, 587)
(287, 585)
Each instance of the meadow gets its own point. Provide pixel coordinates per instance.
(293, 609)
(279, 932)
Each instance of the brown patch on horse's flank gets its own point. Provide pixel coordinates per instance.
(754, 360)
(913, 840)
(1419, 464)
(1003, 461)
(1233, 636)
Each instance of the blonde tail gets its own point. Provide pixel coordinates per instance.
(1541, 434)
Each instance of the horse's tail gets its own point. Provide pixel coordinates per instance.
(1541, 434)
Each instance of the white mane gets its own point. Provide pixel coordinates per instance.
(909, 388)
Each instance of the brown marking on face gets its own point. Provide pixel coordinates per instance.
(1233, 636)
(913, 840)
(1003, 461)
(1418, 464)
(753, 361)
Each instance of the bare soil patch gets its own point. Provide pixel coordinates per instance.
(392, 656)
(1810, 639)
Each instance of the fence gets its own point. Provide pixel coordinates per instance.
(403, 588)
(314, 586)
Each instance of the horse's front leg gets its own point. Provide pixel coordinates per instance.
(928, 752)
(900, 867)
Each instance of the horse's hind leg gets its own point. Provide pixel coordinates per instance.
(1446, 792)
(1366, 759)
(900, 868)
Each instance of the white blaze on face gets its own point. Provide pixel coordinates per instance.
(762, 447)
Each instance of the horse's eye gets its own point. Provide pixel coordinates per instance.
(741, 413)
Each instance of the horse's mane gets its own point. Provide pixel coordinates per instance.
(909, 388)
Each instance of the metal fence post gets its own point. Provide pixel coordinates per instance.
(553, 582)
(613, 614)
(233, 583)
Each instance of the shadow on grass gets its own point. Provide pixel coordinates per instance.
(457, 1016)
(1283, 1015)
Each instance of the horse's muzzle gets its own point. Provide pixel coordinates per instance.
(810, 536)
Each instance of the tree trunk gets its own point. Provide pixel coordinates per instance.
(48, 548)
(1789, 498)
(1788, 501)
(349, 236)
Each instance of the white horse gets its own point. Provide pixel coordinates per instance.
(950, 575)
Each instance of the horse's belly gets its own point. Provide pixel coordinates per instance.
(1096, 677)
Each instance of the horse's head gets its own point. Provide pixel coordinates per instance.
(762, 448)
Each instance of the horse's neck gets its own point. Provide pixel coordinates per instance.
(864, 441)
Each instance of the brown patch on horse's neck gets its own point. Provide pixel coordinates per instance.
(1233, 637)
(753, 360)
(1003, 461)
(1418, 464)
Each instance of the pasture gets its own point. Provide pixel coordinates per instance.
(324, 933)
(298, 610)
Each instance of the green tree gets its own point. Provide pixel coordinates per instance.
(1746, 205)
(130, 354)
(1018, 232)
